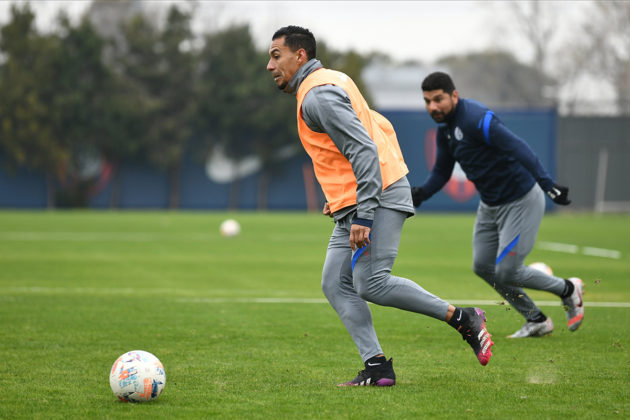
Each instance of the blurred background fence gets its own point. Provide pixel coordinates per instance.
(589, 154)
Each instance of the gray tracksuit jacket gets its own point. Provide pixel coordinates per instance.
(327, 109)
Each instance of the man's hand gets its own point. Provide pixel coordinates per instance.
(326, 210)
(418, 196)
(359, 236)
(559, 195)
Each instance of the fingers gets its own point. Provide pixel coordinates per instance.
(359, 236)
(418, 196)
(559, 194)
(326, 211)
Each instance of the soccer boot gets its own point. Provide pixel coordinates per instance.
(574, 305)
(380, 374)
(534, 329)
(476, 334)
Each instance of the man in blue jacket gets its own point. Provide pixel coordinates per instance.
(512, 184)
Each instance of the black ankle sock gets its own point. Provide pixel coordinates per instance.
(568, 289)
(540, 318)
(375, 361)
(459, 318)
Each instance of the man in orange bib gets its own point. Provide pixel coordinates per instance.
(359, 165)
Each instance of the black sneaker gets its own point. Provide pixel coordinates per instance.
(381, 374)
(476, 334)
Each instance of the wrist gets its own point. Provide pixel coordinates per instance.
(362, 222)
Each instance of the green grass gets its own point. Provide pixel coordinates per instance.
(77, 289)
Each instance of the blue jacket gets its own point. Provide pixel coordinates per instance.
(501, 165)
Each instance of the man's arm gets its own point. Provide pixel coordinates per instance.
(505, 140)
(439, 176)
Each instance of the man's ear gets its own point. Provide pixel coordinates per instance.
(302, 57)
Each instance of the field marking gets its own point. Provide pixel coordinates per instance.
(601, 252)
(453, 302)
(251, 300)
(116, 291)
(104, 236)
(574, 249)
(543, 303)
(558, 247)
(24, 236)
(192, 296)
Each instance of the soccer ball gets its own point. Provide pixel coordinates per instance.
(137, 376)
(541, 266)
(229, 228)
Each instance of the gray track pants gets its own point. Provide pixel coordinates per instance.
(503, 237)
(348, 290)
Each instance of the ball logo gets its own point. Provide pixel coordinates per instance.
(459, 188)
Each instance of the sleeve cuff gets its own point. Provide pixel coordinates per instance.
(363, 222)
(546, 184)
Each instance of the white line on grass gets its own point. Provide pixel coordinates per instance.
(555, 246)
(455, 302)
(192, 296)
(543, 303)
(601, 252)
(251, 300)
(137, 236)
(101, 236)
(574, 249)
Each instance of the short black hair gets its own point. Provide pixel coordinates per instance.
(438, 80)
(297, 37)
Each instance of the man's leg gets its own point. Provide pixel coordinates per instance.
(372, 271)
(339, 290)
(374, 282)
(354, 311)
(485, 251)
(518, 224)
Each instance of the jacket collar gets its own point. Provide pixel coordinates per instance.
(302, 73)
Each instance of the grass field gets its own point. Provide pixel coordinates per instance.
(243, 331)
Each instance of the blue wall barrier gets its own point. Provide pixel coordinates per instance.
(22, 189)
(143, 187)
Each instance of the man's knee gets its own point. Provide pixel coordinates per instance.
(328, 287)
(507, 274)
(369, 288)
(332, 285)
(485, 271)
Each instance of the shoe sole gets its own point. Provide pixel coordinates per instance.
(380, 382)
(545, 334)
(575, 322)
(385, 382)
(531, 336)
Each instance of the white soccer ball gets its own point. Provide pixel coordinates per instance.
(541, 266)
(229, 228)
(137, 376)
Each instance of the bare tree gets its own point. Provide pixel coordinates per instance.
(608, 30)
(585, 69)
(536, 22)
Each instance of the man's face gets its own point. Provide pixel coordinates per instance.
(440, 104)
(283, 63)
